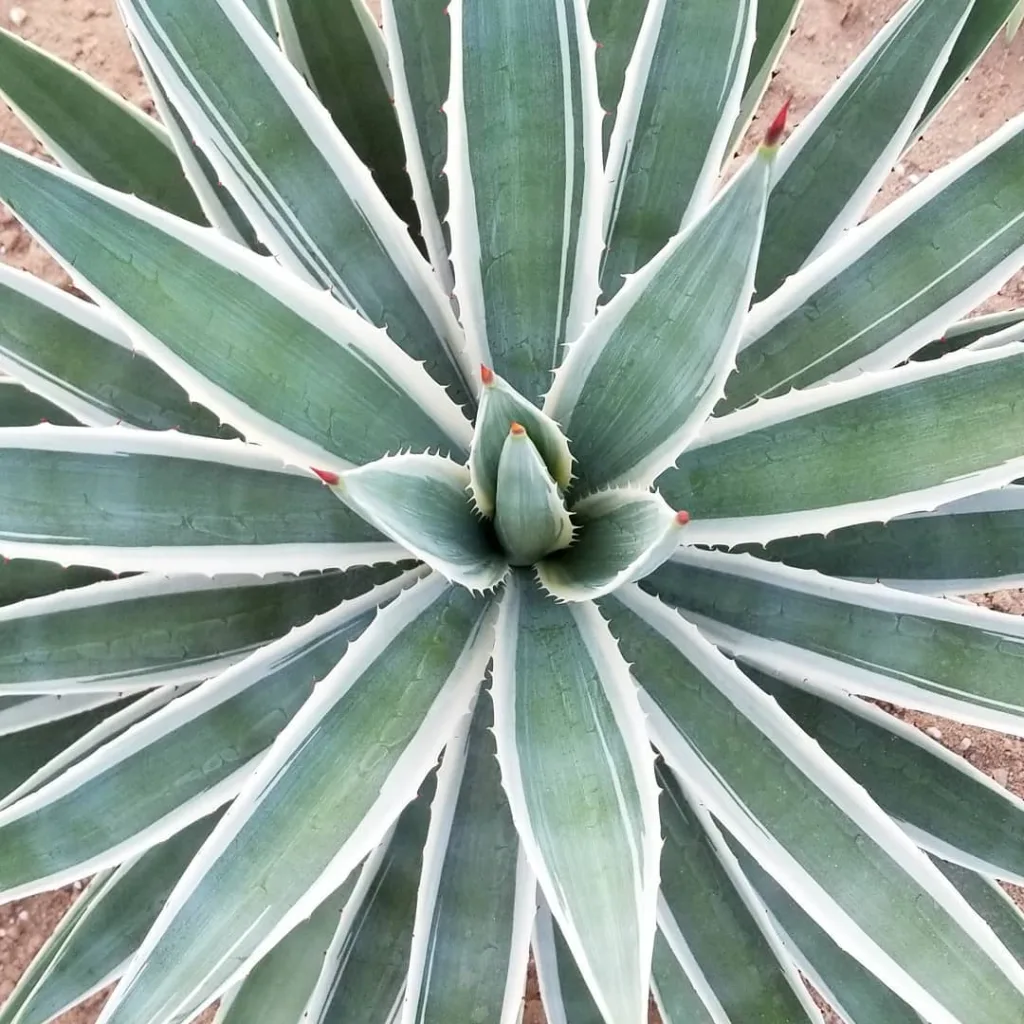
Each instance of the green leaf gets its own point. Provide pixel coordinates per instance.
(896, 280)
(320, 801)
(809, 825)
(986, 19)
(91, 130)
(418, 39)
(615, 25)
(25, 751)
(666, 152)
(872, 448)
(134, 634)
(340, 51)
(941, 656)
(181, 762)
(621, 535)
(991, 901)
(130, 499)
(500, 407)
(526, 226)
(20, 407)
(366, 974)
(94, 941)
(946, 805)
(563, 992)
(274, 357)
(81, 359)
(477, 897)
(22, 578)
(530, 518)
(303, 187)
(676, 998)
(772, 30)
(835, 162)
(281, 985)
(967, 547)
(579, 775)
(726, 933)
(630, 394)
(423, 502)
(969, 331)
(854, 992)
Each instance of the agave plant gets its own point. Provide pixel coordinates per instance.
(492, 534)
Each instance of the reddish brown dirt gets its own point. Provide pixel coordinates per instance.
(828, 35)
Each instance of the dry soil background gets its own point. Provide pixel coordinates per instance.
(828, 35)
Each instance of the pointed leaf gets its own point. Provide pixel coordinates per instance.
(649, 369)
(526, 224)
(324, 796)
(969, 546)
(896, 280)
(987, 18)
(91, 130)
(579, 775)
(772, 30)
(76, 356)
(477, 896)
(838, 855)
(423, 502)
(946, 805)
(366, 975)
(969, 331)
(132, 499)
(876, 447)
(303, 187)
(725, 932)
(340, 51)
(946, 657)
(665, 155)
(620, 535)
(854, 992)
(281, 985)
(500, 407)
(92, 944)
(183, 761)
(991, 901)
(675, 995)
(835, 162)
(530, 519)
(277, 359)
(564, 993)
(417, 35)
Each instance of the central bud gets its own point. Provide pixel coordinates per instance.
(530, 517)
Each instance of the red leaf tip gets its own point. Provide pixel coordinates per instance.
(486, 375)
(682, 518)
(327, 476)
(517, 428)
(775, 130)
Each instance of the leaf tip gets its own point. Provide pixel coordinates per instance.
(516, 429)
(682, 518)
(777, 128)
(329, 478)
(486, 375)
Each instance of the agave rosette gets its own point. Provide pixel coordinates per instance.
(567, 655)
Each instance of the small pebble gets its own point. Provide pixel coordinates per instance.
(22, 915)
(966, 743)
(1001, 775)
(936, 734)
(913, 178)
(18, 16)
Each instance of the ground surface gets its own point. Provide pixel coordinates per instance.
(828, 35)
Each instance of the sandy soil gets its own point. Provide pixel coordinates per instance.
(828, 35)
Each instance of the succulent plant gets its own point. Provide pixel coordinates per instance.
(493, 522)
